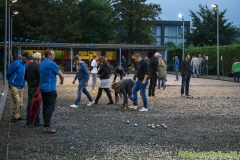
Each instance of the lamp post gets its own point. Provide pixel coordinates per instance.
(13, 14)
(5, 45)
(215, 6)
(181, 16)
(9, 31)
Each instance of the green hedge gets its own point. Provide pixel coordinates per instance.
(229, 53)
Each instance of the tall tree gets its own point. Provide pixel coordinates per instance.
(204, 28)
(134, 21)
(35, 20)
(97, 21)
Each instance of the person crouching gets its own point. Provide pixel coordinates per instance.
(118, 72)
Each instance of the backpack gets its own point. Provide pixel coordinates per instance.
(116, 86)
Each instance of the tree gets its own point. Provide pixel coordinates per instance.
(97, 21)
(134, 21)
(204, 28)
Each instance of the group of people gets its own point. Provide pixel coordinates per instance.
(199, 65)
(41, 79)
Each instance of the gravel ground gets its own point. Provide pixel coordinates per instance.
(207, 122)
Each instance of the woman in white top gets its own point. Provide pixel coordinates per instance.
(94, 71)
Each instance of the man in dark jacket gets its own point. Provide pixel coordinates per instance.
(124, 87)
(153, 70)
(186, 73)
(83, 76)
(32, 76)
(119, 71)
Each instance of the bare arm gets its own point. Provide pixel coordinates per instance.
(61, 77)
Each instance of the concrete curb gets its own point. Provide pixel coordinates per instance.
(3, 100)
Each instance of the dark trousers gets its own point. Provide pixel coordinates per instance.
(152, 85)
(236, 76)
(115, 77)
(107, 90)
(176, 72)
(31, 93)
(185, 85)
(49, 101)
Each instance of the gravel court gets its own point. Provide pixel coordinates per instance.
(208, 122)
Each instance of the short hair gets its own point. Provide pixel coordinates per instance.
(186, 55)
(76, 58)
(48, 52)
(36, 56)
(235, 60)
(137, 55)
(176, 56)
(94, 56)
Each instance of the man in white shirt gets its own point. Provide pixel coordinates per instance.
(194, 64)
(94, 72)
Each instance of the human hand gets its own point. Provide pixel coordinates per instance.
(86, 84)
(73, 82)
(144, 81)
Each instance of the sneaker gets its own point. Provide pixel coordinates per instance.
(133, 107)
(149, 97)
(153, 97)
(176, 80)
(183, 95)
(74, 106)
(48, 130)
(90, 103)
(14, 120)
(143, 110)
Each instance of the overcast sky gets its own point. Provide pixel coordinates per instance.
(171, 8)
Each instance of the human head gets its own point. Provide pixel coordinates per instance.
(49, 53)
(187, 56)
(199, 55)
(105, 57)
(157, 55)
(102, 60)
(176, 57)
(95, 56)
(123, 56)
(25, 57)
(137, 57)
(160, 57)
(36, 57)
(235, 60)
(120, 67)
(77, 59)
(146, 58)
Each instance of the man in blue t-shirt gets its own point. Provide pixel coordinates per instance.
(141, 83)
(48, 72)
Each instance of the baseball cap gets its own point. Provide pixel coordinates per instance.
(157, 54)
(27, 55)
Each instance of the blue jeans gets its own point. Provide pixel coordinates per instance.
(185, 85)
(163, 82)
(82, 88)
(142, 87)
(195, 68)
(236, 76)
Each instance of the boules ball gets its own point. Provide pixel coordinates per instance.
(128, 122)
(135, 125)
